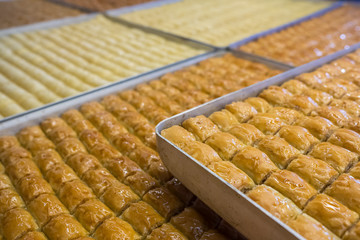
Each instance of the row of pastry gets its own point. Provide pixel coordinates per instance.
(22, 12)
(45, 66)
(294, 149)
(222, 22)
(95, 172)
(312, 39)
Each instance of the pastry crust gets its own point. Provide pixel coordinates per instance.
(295, 86)
(287, 115)
(351, 107)
(298, 137)
(91, 213)
(70, 146)
(331, 213)
(260, 104)
(309, 228)
(99, 180)
(353, 233)
(274, 202)
(22, 168)
(49, 124)
(16, 222)
(224, 119)
(302, 103)
(46, 206)
(225, 144)
(59, 133)
(7, 142)
(278, 150)
(318, 126)
(246, 133)
(339, 158)
(82, 162)
(190, 223)
(241, 110)
(118, 196)
(166, 232)
(316, 172)
(32, 186)
(141, 182)
(267, 123)
(201, 152)
(353, 96)
(47, 159)
(105, 152)
(201, 126)
(163, 201)
(276, 96)
(33, 236)
(9, 199)
(4, 181)
(115, 229)
(73, 193)
(320, 97)
(64, 227)
(233, 175)
(254, 163)
(347, 139)
(177, 188)
(355, 171)
(142, 217)
(14, 154)
(90, 138)
(291, 186)
(60, 174)
(121, 167)
(346, 189)
(337, 116)
(178, 134)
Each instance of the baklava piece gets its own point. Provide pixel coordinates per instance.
(99, 180)
(82, 162)
(287, 115)
(70, 146)
(241, 110)
(347, 139)
(254, 163)
(201, 126)
(178, 134)
(17, 222)
(260, 104)
(318, 126)
(32, 186)
(166, 231)
(60, 174)
(246, 133)
(32, 235)
(351, 107)
(64, 227)
(224, 119)
(141, 182)
(21, 168)
(233, 175)
(9, 199)
(291, 186)
(337, 116)
(201, 152)
(276, 96)
(225, 144)
(331, 213)
(267, 123)
(274, 202)
(353, 233)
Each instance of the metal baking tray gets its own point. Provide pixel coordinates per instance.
(233, 206)
(87, 17)
(282, 27)
(12, 124)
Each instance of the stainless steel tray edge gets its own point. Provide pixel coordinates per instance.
(286, 25)
(230, 203)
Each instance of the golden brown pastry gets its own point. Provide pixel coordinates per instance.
(213, 235)
(278, 150)
(201, 152)
(298, 137)
(64, 227)
(353, 233)
(9, 199)
(5, 182)
(82, 162)
(178, 134)
(260, 104)
(70, 146)
(274, 202)
(177, 188)
(224, 119)
(158, 170)
(47, 159)
(90, 138)
(28, 134)
(254, 163)
(318, 126)
(91, 213)
(309, 228)
(241, 110)
(291, 186)
(276, 96)
(316, 172)
(287, 115)
(190, 223)
(336, 115)
(141, 182)
(295, 86)
(353, 96)
(46, 206)
(225, 144)
(73, 193)
(104, 152)
(166, 232)
(347, 139)
(346, 189)
(7, 142)
(32, 186)
(267, 123)
(201, 126)
(246, 133)
(118, 196)
(339, 158)
(142, 217)
(351, 107)
(233, 175)
(121, 167)
(115, 229)
(59, 133)
(33, 236)
(60, 174)
(22, 168)
(331, 213)
(320, 97)
(163, 201)
(49, 124)
(14, 154)
(99, 180)
(302, 103)
(355, 171)
(16, 222)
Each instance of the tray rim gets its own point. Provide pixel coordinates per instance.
(206, 109)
